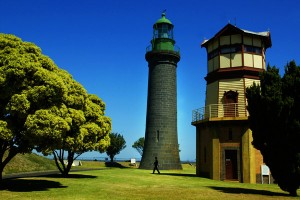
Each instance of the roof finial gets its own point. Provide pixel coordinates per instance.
(164, 13)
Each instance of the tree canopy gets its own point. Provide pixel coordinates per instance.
(117, 144)
(43, 107)
(274, 115)
(139, 145)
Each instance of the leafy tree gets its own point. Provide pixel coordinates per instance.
(274, 109)
(139, 145)
(117, 144)
(42, 107)
(86, 130)
(28, 82)
(85, 126)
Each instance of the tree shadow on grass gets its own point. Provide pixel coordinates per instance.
(114, 164)
(247, 191)
(28, 185)
(79, 176)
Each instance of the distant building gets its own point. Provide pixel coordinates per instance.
(235, 57)
(161, 121)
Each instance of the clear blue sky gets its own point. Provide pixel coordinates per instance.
(102, 43)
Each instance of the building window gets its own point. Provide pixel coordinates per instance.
(252, 49)
(224, 50)
(230, 49)
(157, 135)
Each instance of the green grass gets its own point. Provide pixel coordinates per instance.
(131, 183)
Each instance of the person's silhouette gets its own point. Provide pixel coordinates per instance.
(155, 166)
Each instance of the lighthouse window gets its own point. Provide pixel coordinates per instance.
(163, 31)
(251, 49)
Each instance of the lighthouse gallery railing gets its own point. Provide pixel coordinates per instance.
(220, 111)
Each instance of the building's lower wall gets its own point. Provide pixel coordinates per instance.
(214, 138)
(203, 152)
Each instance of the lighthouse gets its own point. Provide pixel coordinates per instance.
(161, 138)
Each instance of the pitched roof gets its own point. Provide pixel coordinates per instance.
(229, 29)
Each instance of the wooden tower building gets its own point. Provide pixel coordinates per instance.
(235, 57)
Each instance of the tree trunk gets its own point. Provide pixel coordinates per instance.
(111, 158)
(293, 193)
(1, 171)
(70, 162)
(59, 161)
(12, 152)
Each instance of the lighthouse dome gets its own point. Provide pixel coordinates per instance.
(163, 20)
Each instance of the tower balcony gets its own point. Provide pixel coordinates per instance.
(162, 54)
(175, 49)
(218, 112)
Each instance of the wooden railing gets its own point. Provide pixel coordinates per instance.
(220, 111)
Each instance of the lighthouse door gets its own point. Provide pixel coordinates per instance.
(231, 172)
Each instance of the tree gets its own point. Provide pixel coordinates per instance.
(28, 82)
(274, 116)
(42, 107)
(85, 126)
(117, 144)
(139, 145)
(86, 130)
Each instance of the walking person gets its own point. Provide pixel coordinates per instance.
(155, 166)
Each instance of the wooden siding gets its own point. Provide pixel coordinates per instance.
(236, 59)
(256, 42)
(216, 62)
(225, 61)
(258, 62)
(215, 44)
(236, 39)
(248, 60)
(210, 65)
(249, 82)
(225, 40)
(236, 85)
(212, 93)
(247, 40)
(209, 48)
(213, 64)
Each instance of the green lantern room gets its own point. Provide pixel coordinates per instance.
(163, 34)
(235, 57)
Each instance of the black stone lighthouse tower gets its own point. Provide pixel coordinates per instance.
(161, 121)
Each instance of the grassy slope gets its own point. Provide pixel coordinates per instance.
(28, 163)
(33, 162)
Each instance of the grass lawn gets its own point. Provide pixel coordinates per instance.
(131, 183)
